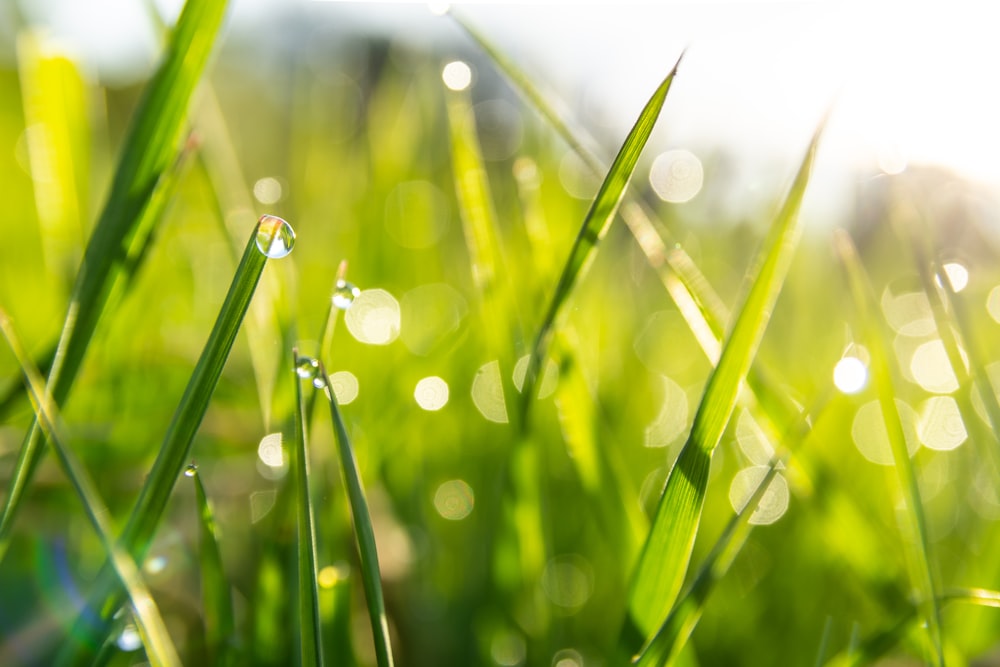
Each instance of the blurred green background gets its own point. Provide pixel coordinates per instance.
(345, 134)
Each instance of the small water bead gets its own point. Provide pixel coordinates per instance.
(344, 294)
(307, 368)
(275, 237)
(191, 470)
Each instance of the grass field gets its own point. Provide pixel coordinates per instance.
(490, 398)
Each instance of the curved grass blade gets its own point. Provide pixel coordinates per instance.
(159, 648)
(653, 239)
(882, 379)
(310, 630)
(664, 560)
(128, 217)
(704, 312)
(173, 454)
(595, 226)
(216, 597)
(363, 531)
(877, 645)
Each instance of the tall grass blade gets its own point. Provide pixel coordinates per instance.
(653, 238)
(307, 591)
(479, 223)
(595, 226)
(126, 221)
(159, 648)
(216, 596)
(174, 451)
(363, 531)
(881, 351)
(664, 560)
(55, 114)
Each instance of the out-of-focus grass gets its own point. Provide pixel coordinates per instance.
(350, 141)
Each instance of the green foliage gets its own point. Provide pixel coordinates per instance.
(431, 522)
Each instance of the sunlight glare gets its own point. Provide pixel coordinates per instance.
(374, 317)
(345, 386)
(454, 500)
(431, 393)
(773, 503)
(871, 437)
(677, 176)
(850, 375)
(457, 75)
(941, 426)
(487, 393)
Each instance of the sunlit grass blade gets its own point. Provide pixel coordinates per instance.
(159, 647)
(125, 223)
(55, 113)
(595, 226)
(173, 453)
(216, 596)
(662, 251)
(704, 312)
(363, 531)
(307, 592)
(664, 560)
(268, 319)
(672, 635)
(482, 235)
(882, 378)
(600, 469)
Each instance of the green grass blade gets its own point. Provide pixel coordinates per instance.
(159, 648)
(216, 596)
(173, 454)
(881, 351)
(880, 643)
(653, 238)
(664, 560)
(307, 591)
(595, 226)
(55, 113)
(363, 531)
(149, 149)
(478, 215)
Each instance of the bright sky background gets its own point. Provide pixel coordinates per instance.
(912, 81)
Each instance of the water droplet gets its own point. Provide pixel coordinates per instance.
(307, 368)
(275, 237)
(319, 382)
(345, 294)
(191, 470)
(129, 639)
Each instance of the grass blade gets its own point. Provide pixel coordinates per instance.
(595, 226)
(126, 221)
(310, 631)
(56, 117)
(884, 384)
(664, 560)
(363, 531)
(173, 454)
(217, 599)
(159, 648)
(479, 224)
